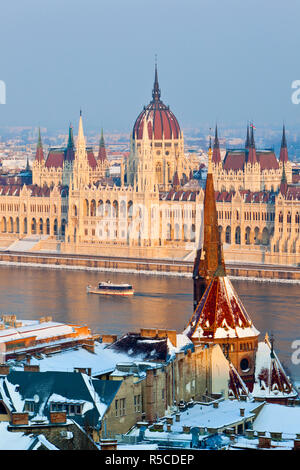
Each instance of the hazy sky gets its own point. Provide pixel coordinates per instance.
(225, 60)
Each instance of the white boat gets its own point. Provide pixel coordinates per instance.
(109, 288)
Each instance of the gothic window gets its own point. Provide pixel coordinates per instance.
(228, 235)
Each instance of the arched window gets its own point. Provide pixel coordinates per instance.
(238, 236)
(228, 235)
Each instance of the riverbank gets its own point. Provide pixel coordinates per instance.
(154, 267)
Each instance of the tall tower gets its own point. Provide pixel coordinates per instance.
(81, 164)
(283, 149)
(252, 151)
(219, 316)
(216, 156)
(39, 162)
(210, 255)
(102, 152)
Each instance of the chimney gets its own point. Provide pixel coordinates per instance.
(31, 368)
(264, 442)
(297, 444)
(242, 412)
(18, 419)
(186, 429)
(109, 338)
(177, 417)
(58, 417)
(4, 369)
(216, 404)
(108, 444)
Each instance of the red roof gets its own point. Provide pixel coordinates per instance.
(161, 122)
(236, 159)
(55, 159)
(220, 314)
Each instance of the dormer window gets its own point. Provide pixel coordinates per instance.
(29, 406)
(71, 409)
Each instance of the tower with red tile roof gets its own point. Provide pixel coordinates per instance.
(209, 254)
(219, 315)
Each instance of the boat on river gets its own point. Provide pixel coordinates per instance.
(109, 288)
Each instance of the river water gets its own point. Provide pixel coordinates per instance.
(162, 302)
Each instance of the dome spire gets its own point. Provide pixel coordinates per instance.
(156, 90)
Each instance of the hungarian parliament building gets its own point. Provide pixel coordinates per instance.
(71, 204)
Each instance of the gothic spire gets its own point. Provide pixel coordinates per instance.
(216, 157)
(156, 90)
(252, 152)
(80, 137)
(209, 257)
(39, 155)
(283, 150)
(247, 143)
(102, 151)
(71, 137)
(69, 154)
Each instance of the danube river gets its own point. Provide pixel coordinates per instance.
(162, 302)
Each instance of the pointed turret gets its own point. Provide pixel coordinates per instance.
(216, 156)
(210, 256)
(156, 90)
(102, 157)
(252, 152)
(27, 169)
(80, 137)
(70, 155)
(283, 150)
(247, 143)
(39, 155)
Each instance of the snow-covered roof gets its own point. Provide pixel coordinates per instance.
(220, 314)
(20, 441)
(37, 329)
(271, 380)
(47, 388)
(102, 361)
(279, 418)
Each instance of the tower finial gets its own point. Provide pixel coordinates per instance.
(156, 90)
(39, 155)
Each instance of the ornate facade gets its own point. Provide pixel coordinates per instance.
(157, 208)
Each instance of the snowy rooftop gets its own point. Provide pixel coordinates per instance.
(279, 418)
(103, 360)
(220, 314)
(205, 416)
(20, 441)
(35, 328)
(271, 380)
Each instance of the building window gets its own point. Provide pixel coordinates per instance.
(29, 406)
(137, 403)
(122, 407)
